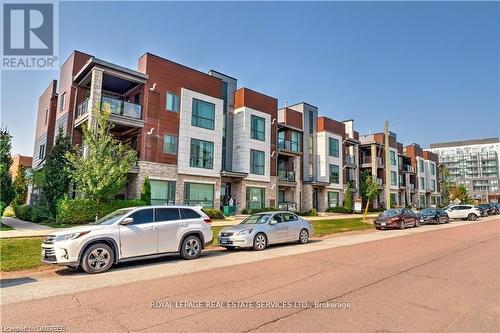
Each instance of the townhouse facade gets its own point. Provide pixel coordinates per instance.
(202, 140)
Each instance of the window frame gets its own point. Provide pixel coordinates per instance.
(176, 144)
(176, 98)
(331, 151)
(253, 165)
(191, 164)
(195, 117)
(254, 132)
(330, 174)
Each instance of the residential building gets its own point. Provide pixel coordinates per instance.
(17, 160)
(474, 164)
(45, 123)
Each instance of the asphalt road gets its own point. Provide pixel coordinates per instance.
(444, 279)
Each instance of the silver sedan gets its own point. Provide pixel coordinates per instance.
(260, 230)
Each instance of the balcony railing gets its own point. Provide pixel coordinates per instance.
(368, 160)
(287, 205)
(289, 145)
(350, 159)
(82, 108)
(286, 176)
(120, 107)
(409, 168)
(380, 182)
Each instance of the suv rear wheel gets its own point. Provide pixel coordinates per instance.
(97, 258)
(191, 247)
(472, 217)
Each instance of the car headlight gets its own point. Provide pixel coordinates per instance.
(244, 232)
(74, 235)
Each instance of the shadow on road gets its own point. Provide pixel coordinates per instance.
(6, 283)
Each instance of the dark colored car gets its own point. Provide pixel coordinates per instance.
(491, 208)
(433, 215)
(485, 209)
(396, 218)
(497, 206)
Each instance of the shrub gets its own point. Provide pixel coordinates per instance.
(2, 207)
(255, 211)
(9, 212)
(310, 212)
(23, 212)
(80, 210)
(376, 210)
(39, 214)
(146, 191)
(214, 213)
(341, 210)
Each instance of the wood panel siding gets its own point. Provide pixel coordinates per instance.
(325, 124)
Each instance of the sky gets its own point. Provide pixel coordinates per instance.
(431, 68)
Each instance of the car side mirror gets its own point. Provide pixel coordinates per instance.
(127, 221)
(273, 222)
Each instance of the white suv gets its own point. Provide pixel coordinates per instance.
(464, 212)
(130, 234)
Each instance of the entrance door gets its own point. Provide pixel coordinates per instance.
(315, 198)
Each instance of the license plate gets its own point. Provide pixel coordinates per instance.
(383, 223)
(223, 241)
(421, 220)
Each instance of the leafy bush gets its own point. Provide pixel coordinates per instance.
(341, 210)
(255, 211)
(376, 210)
(9, 212)
(214, 213)
(23, 212)
(39, 214)
(2, 207)
(310, 212)
(146, 191)
(80, 210)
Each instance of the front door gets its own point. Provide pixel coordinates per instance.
(315, 198)
(278, 232)
(140, 237)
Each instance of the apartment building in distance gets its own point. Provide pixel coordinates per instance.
(203, 140)
(474, 164)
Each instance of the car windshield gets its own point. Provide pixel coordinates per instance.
(257, 219)
(391, 212)
(428, 211)
(113, 217)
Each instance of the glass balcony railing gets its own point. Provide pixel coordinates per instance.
(289, 145)
(350, 159)
(368, 160)
(409, 168)
(287, 205)
(120, 107)
(286, 176)
(82, 108)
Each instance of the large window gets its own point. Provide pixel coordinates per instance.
(333, 147)
(41, 152)
(334, 173)
(169, 144)
(172, 102)
(296, 142)
(258, 128)
(62, 101)
(203, 114)
(199, 195)
(433, 185)
(333, 199)
(422, 183)
(421, 166)
(393, 158)
(394, 178)
(257, 162)
(433, 169)
(311, 122)
(202, 154)
(255, 197)
(162, 192)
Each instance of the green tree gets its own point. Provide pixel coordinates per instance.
(368, 189)
(20, 186)
(6, 189)
(55, 177)
(461, 193)
(348, 197)
(146, 191)
(445, 183)
(99, 168)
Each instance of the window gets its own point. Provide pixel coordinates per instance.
(394, 178)
(257, 162)
(289, 217)
(333, 147)
(199, 195)
(203, 114)
(311, 122)
(421, 165)
(393, 158)
(169, 144)
(422, 183)
(333, 199)
(61, 102)
(258, 128)
(393, 199)
(143, 216)
(433, 185)
(41, 152)
(334, 174)
(172, 102)
(255, 197)
(281, 196)
(296, 144)
(162, 192)
(187, 213)
(166, 214)
(202, 154)
(46, 116)
(433, 169)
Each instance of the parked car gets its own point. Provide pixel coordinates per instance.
(464, 212)
(396, 218)
(260, 230)
(490, 208)
(433, 215)
(497, 206)
(483, 210)
(130, 234)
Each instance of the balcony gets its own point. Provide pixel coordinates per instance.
(409, 169)
(286, 176)
(350, 160)
(289, 146)
(122, 112)
(367, 161)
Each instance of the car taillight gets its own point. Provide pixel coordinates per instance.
(207, 220)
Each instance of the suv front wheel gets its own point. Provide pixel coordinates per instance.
(97, 258)
(191, 247)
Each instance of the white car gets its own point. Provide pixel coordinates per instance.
(464, 212)
(130, 234)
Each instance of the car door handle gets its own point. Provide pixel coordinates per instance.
(183, 224)
(152, 228)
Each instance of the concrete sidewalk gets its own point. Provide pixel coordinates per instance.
(24, 228)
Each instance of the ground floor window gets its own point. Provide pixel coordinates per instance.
(199, 195)
(281, 196)
(422, 200)
(162, 192)
(255, 197)
(394, 200)
(333, 199)
(433, 200)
